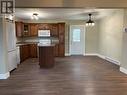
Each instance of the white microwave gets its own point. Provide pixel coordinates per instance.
(43, 33)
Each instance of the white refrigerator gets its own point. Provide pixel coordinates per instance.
(11, 43)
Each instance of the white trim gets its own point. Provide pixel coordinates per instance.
(83, 39)
(5, 76)
(91, 54)
(101, 56)
(112, 60)
(123, 70)
(67, 54)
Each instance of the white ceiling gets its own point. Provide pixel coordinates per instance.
(62, 13)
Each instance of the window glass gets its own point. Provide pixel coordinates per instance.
(76, 35)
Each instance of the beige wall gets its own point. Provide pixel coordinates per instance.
(110, 35)
(124, 43)
(92, 35)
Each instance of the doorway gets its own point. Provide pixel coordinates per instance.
(77, 40)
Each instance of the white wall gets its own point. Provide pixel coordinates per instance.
(110, 35)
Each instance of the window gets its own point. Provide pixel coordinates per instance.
(76, 35)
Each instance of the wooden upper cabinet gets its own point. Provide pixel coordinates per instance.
(26, 30)
(54, 30)
(33, 29)
(61, 27)
(44, 26)
(19, 29)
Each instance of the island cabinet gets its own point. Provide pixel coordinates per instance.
(46, 56)
(19, 29)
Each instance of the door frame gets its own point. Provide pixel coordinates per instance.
(70, 36)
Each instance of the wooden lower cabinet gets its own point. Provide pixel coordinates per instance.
(33, 50)
(46, 56)
(61, 50)
(28, 51)
(56, 52)
(24, 52)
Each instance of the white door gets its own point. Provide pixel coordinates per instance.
(77, 39)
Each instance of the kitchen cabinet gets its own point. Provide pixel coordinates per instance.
(54, 30)
(56, 49)
(44, 26)
(28, 51)
(33, 29)
(61, 29)
(24, 52)
(26, 30)
(19, 29)
(33, 50)
(46, 56)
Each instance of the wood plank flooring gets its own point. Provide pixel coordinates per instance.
(76, 75)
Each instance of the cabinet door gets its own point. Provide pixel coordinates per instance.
(26, 30)
(44, 26)
(56, 50)
(24, 52)
(54, 30)
(61, 50)
(33, 30)
(33, 50)
(61, 39)
(19, 29)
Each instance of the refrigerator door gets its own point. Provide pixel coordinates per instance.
(11, 43)
(11, 36)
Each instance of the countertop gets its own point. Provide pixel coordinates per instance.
(46, 45)
(40, 42)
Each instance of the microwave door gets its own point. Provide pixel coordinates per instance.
(44, 33)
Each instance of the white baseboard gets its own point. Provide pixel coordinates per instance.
(90, 54)
(5, 76)
(104, 57)
(112, 60)
(101, 56)
(67, 54)
(123, 70)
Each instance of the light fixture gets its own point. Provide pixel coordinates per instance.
(9, 17)
(35, 16)
(90, 22)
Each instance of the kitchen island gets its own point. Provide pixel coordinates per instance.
(46, 55)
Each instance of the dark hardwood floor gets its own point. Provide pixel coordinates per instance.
(75, 75)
